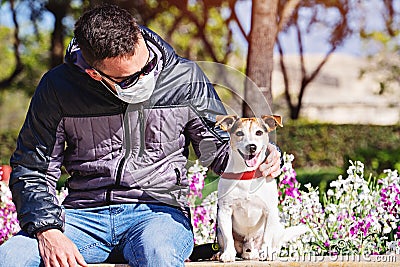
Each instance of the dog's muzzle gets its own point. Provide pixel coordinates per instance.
(251, 159)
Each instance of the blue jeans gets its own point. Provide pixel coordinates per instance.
(140, 234)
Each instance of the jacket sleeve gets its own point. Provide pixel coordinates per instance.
(209, 143)
(36, 163)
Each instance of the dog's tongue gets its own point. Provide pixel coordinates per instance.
(251, 162)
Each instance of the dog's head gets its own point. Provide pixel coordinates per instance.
(249, 136)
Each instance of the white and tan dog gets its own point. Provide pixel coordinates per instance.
(248, 215)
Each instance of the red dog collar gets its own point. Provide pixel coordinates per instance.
(242, 175)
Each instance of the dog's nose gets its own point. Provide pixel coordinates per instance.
(251, 148)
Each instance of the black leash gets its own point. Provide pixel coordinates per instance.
(206, 251)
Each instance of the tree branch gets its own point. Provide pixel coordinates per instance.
(201, 34)
(287, 12)
(235, 18)
(173, 28)
(285, 75)
(321, 64)
(18, 63)
(301, 51)
(389, 19)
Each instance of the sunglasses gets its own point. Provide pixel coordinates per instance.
(134, 78)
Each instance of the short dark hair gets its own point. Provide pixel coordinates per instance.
(106, 31)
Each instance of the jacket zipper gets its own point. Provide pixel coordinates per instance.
(178, 176)
(142, 129)
(126, 154)
(178, 181)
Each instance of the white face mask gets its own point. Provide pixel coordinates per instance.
(138, 92)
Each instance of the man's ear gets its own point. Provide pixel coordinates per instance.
(225, 121)
(93, 74)
(272, 121)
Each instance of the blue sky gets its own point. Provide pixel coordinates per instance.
(369, 15)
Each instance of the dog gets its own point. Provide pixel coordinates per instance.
(248, 215)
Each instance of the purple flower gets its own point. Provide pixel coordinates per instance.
(353, 231)
(398, 233)
(8, 214)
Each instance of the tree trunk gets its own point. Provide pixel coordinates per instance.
(59, 9)
(264, 28)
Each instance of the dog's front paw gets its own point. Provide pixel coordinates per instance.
(228, 256)
(251, 255)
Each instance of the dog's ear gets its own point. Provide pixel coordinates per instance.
(272, 121)
(225, 121)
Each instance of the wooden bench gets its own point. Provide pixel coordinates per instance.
(351, 261)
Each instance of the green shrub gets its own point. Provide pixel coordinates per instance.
(8, 142)
(320, 178)
(327, 145)
(377, 159)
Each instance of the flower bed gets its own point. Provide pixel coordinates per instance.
(8, 216)
(203, 215)
(357, 216)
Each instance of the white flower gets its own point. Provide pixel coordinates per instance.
(331, 208)
(387, 229)
(338, 194)
(336, 183)
(332, 218)
(330, 192)
(308, 186)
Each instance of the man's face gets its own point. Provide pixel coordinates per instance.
(120, 68)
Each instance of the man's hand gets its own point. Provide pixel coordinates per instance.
(58, 250)
(272, 166)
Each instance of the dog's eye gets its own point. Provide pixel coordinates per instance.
(259, 133)
(239, 133)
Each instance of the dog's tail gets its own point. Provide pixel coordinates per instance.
(293, 232)
(285, 235)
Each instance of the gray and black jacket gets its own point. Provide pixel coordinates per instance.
(114, 152)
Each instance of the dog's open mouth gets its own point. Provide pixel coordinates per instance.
(250, 160)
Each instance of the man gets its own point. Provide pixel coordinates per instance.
(119, 114)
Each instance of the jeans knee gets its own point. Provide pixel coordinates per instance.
(158, 254)
(14, 256)
(171, 251)
(20, 250)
